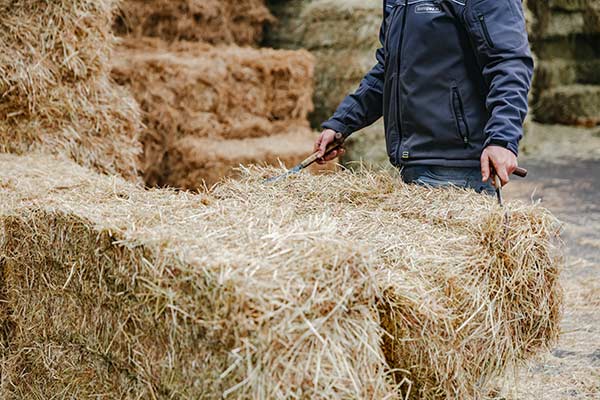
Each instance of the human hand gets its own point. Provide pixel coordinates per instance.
(325, 138)
(502, 161)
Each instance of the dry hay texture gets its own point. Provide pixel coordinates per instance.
(191, 91)
(196, 162)
(556, 18)
(343, 35)
(266, 291)
(212, 21)
(566, 87)
(570, 104)
(55, 91)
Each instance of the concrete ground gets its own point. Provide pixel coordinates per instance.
(565, 178)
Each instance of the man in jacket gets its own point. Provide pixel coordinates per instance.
(451, 81)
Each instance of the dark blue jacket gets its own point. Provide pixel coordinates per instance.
(452, 77)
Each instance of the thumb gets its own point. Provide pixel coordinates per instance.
(485, 167)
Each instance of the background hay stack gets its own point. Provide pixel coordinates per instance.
(343, 36)
(213, 21)
(565, 37)
(55, 91)
(275, 291)
(206, 106)
(209, 109)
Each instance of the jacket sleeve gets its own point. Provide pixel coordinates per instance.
(499, 36)
(365, 105)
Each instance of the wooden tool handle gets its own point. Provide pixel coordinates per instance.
(337, 142)
(521, 172)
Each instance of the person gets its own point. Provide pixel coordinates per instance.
(451, 81)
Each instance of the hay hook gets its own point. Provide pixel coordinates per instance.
(520, 172)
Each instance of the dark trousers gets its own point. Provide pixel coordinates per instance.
(468, 178)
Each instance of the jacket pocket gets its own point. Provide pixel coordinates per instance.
(390, 110)
(500, 24)
(458, 110)
(485, 31)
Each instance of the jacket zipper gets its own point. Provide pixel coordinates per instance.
(486, 32)
(398, 96)
(459, 113)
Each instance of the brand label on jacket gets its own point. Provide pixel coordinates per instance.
(428, 8)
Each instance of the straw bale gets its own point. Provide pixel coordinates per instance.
(570, 104)
(564, 18)
(63, 368)
(196, 90)
(45, 43)
(558, 72)
(207, 91)
(343, 35)
(322, 24)
(194, 162)
(54, 88)
(212, 21)
(269, 291)
(567, 5)
(95, 123)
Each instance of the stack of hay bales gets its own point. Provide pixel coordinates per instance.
(276, 291)
(55, 90)
(565, 37)
(343, 36)
(213, 21)
(208, 108)
(266, 291)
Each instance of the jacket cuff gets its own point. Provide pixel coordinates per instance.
(337, 126)
(502, 143)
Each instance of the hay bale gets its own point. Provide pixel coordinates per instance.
(558, 72)
(55, 93)
(44, 44)
(200, 91)
(212, 21)
(564, 18)
(94, 123)
(270, 291)
(570, 104)
(366, 148)
(43, 370)
(343, 35)
(194, 162)
(567, 5)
